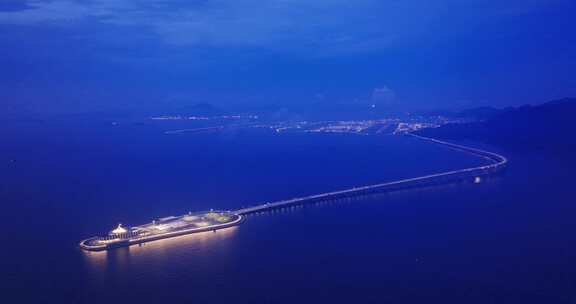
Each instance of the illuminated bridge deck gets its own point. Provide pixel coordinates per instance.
(494, 162)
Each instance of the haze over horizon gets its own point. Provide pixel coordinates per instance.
(65, 56)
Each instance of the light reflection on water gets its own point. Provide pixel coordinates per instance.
(159, 249)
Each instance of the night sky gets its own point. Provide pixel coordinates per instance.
(63, 56)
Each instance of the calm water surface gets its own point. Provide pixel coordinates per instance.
(510, 239)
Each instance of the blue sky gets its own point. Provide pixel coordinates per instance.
(85, 55)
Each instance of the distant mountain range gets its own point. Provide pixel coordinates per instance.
(479, 113)
(548, 126)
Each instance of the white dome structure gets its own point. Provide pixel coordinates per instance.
(119, 230)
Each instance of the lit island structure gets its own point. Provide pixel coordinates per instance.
(166, 227)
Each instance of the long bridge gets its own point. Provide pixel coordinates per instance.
(494, 162)
(192, 223)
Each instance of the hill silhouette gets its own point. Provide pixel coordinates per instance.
(551, 125)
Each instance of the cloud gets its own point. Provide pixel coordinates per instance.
(13, 5)
(383, 96)
(329, 26)
(289, 24)
(319, 96)
(58, 12)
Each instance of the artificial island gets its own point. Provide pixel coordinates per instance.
(162, 228)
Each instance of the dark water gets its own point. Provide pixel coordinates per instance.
(510, 239)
